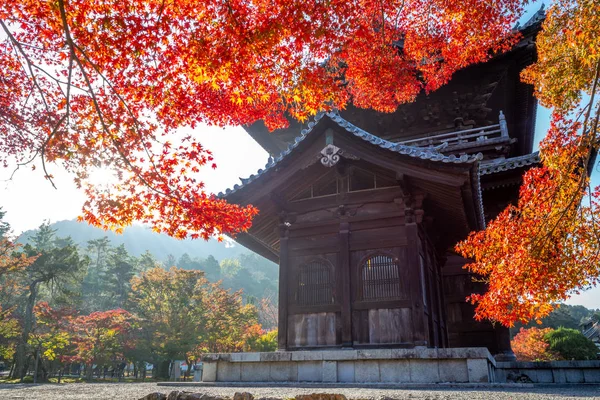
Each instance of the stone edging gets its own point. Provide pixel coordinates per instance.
(548, 364)
(350, 354)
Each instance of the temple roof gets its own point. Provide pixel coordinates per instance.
(450, 181)
(534, 22)
(471, 100)
(307, 150)
(423, 153)
(501, 165)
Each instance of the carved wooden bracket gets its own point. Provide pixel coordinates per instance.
(412, 205)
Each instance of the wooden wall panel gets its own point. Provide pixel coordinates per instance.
(323, 243)
(382, 326)
(377, 238)
(312, 330)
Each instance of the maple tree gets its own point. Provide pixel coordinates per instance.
(169, 305)
(57, 266)
(10, 258)
(52, 339)
(11, 262)
(530, 345)
(268, 311)
(226, 312)
(100, 337)
(538, 252)
(106, 83)
(261, 340)
(9, 334)
(181, 315)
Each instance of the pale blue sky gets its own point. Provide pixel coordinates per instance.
(29, 199)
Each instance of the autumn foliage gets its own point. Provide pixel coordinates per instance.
(538, 251)
(106, 84)
(88, 84)
(546, 247)
(11, 259)
(175, 314)
(549, 344)
(100, 336)
(530, 345)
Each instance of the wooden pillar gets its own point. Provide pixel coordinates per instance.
(346, 299)
(420, 328)
(442, 308)
(504, 349)
(284, 268)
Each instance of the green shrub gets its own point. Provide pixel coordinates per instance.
(265, 342)
(571, 344)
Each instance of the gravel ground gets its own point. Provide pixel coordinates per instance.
(133, 391)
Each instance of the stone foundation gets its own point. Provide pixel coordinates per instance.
(549, 372)
(419, 365)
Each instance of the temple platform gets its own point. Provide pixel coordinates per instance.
(391, 366)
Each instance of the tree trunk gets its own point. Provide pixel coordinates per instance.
(44, 374)
(142, 370)
(188, 370)
(163, 371)
(89, 371)
(35, 365)
(19, 367)
(21, 351)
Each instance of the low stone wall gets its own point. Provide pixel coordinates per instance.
(549, 372)
(419, 365)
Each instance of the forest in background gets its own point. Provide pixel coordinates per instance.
(565, 316)
(237, 267)
(137, 239)
(90, 302)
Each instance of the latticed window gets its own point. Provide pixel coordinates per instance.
(314, 283)
(380, 278)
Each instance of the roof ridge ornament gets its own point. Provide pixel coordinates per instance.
(330, 155)
(503, 125)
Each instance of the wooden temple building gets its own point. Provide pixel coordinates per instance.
(362, 210)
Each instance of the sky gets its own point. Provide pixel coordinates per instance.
(29, 199)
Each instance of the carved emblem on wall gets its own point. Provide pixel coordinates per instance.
(330, 155)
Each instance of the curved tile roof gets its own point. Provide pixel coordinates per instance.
(411, 151)
(509, 163)
(535, 19)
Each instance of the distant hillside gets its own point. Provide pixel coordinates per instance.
(138, 239)
(566, 316)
